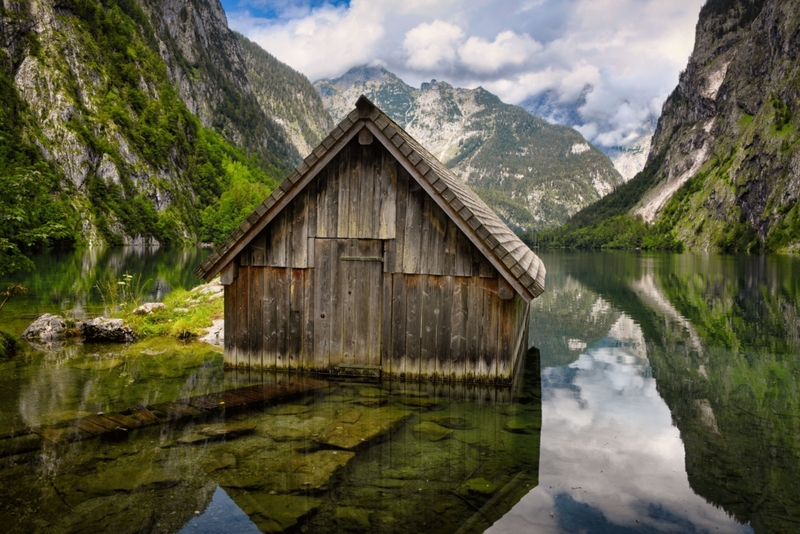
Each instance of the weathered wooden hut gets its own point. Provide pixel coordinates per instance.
(372, 256)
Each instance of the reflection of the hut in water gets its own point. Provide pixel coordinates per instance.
(349, 456)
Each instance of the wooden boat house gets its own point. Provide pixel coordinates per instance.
(372, 256)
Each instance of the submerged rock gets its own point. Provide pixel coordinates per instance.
(47, 327)
(449, 421)
(432, 431)
(150, 307)
(349, 431)
(217, 432)
(276, 513)
(104, 330)
(522, 426)
(476, 486)
(348, 517)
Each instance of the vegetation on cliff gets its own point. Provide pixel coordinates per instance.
(723, 169)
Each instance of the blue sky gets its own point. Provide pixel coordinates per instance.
(627, 52)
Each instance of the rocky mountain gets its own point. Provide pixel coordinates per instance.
(629, 158)
(139, 122)
(286, 96)
(723, 171)
(534, 174)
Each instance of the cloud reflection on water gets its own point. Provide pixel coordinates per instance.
(611, 459)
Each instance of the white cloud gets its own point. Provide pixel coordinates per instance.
(431, 47)
(508, 48)
(629, 52)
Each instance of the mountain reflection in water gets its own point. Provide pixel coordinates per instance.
(670, 395)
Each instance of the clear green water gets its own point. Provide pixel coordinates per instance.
(664, 397)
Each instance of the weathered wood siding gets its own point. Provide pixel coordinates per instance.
(363, 270)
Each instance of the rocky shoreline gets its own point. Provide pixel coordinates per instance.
(129, 327)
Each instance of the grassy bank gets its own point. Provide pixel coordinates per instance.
(188, 314)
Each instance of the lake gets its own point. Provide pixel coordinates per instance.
(660, 395)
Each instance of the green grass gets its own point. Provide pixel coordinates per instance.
(172, 322)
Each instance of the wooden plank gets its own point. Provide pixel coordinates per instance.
(388, 200)
(450, 248)
(123, 420)
(229, 273)
(342, 227)
(504, 289)
(311, 208)
(298, 233)
(323, 202)
(307, 360)
(398, 350)
(144, 415)
(438, 238)
(295, 340)
(323, 318)
(269, 316)
(485, 268)
(256, 317)
(258, 250)
(386, 348)
(351, 317)
(88, 427)
(229, 325)
(427, 261)
(413, 324)
(509, 323)
(282, 299)
(429, 314)
(367, 212)
(338, 321)
(474, 321)
(277, 241)
(463, 259)
(398, 245)
(413, 232)
(242, 333)
(444, 327)
(356, 207)
(334, 180)
(491, 324)
(375, 306)
(458, 328)
(102, 421)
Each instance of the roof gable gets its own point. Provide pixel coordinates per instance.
(504, 249)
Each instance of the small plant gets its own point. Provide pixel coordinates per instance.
(121, 294)
(13, 289)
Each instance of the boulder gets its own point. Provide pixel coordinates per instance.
(47, 327)
(150, 307)
(105, 330)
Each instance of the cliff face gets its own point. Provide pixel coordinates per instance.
(142, 116)
(725, 153)
(205, 64)
(532, 173)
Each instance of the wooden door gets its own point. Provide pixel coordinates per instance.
(348, 303)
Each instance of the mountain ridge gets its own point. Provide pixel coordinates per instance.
(533, 173)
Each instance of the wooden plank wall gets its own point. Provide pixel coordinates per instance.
(450, 327)
(425, 304)
(344, 202)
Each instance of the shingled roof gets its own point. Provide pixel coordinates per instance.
(512, 258)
